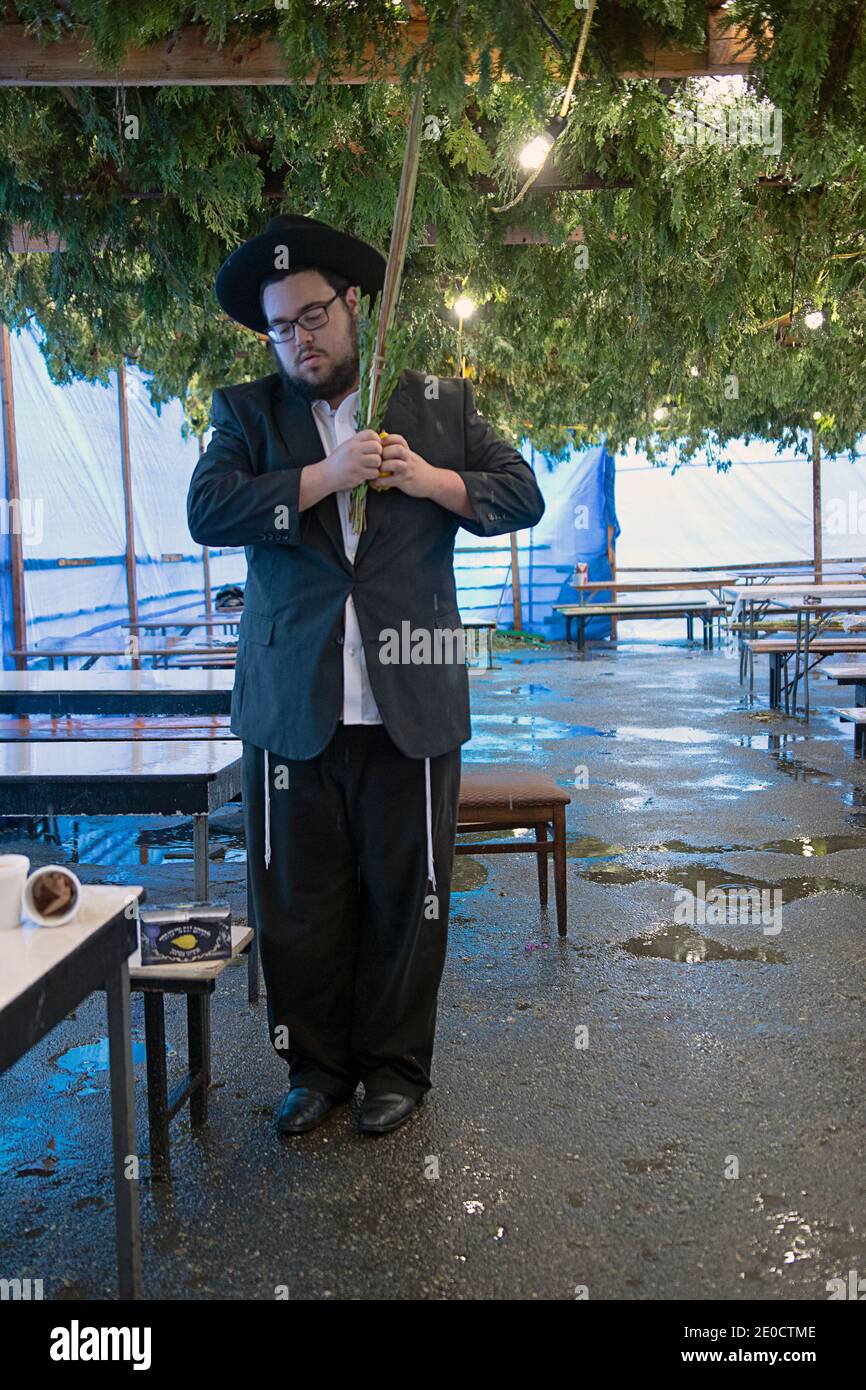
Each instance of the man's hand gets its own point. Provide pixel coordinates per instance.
(403, 469)
(355, 461)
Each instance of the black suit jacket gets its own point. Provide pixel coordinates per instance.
(288, 692)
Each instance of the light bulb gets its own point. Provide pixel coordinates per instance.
(533, 155)
(814, 318)
(464, 307)
(660, 413)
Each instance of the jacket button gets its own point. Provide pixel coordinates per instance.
(338, 641)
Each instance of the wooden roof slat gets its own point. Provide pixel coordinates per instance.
(191, 61)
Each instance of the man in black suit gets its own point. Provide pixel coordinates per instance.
(351, 693)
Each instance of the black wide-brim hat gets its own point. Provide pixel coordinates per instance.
(307, 242)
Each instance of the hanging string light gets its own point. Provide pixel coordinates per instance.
(534, 154)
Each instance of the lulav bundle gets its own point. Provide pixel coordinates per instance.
(383, 346)
(371, 411)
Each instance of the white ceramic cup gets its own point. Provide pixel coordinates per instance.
(59, 919)
(13, 875)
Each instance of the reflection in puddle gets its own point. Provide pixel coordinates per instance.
(771, 743)
(137, 840)
(501, 733)
(801, 772)
(734, 782)
(676, 734)
(79, 1064)
(530, 690)
(688, 947)
(469, 874)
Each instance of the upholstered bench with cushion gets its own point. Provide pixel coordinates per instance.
(511, 798)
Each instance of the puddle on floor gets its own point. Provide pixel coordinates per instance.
(78, 1066)
(531, 690)
(686, 946)
(737, 782)
(676, 734)
(799, 771)
(770, 743)
(805, 846)
(137, 841)
(689, 876)
(520, 733)
(469, 874)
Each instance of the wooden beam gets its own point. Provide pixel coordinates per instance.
(729, 52)
(191, 61)
(24, 243)
(13, 497)
(128, 510)
(817, 534)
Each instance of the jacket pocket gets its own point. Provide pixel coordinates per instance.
(257, 627)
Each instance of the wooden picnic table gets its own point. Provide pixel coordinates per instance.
(582, 613)
(45, 973)
(134, 777)
(169, 692)
(802, 599)
(647, 586)
(781, 649)
(212, 622)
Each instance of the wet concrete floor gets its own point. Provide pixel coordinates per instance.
(659, 1106)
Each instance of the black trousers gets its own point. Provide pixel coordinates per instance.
(351, 933)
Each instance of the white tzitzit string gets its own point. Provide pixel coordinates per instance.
(431, 872)
(267, 813)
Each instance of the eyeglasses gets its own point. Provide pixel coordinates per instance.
(316, 317)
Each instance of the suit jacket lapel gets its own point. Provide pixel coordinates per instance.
(304, 443)
(400, 418)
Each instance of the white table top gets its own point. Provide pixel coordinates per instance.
(101, 760)
(28, 952)
(95, 681)
(797, 589)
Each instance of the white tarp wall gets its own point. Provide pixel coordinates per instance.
(759, 510)
(69, 466)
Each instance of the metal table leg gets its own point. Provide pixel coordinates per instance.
(808, 617)
(123, 1135)
(200, 850)
(797, 650)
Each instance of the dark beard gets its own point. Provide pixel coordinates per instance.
(341, 378)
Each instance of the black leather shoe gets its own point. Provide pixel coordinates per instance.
(385, 1111)
(303, 1109)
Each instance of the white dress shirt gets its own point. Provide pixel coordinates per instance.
(359, 706)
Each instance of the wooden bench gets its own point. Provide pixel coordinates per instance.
(506, 798)
(857, 717)
(583, 612)
(197, 981)
(781, 649)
